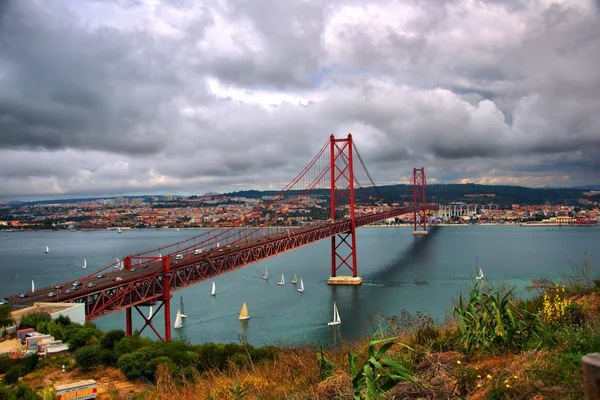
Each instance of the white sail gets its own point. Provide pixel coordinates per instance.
(84, 263)
(301, 289)
(295, 280)
(178, 320)
(119, 230)
(214, 290)
(32, 287)
(266, 275)
(150, 313)
(336, 316)
(480, 276)
(282, 281)
(183, 314)
(47, 249)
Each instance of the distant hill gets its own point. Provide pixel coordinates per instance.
(467, 193)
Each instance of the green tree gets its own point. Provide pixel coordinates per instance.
(6, 318)
(12, 375)
(7, 394)
(110, 338)
(32, 320)
(88, 357)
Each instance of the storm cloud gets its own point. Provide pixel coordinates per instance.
(132, 96)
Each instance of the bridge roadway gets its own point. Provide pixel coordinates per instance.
(144, 283)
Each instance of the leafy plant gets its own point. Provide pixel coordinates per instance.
(325, 365)
(377, 374)
(489, 321)
(237, 391)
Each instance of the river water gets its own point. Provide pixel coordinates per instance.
(400, 272)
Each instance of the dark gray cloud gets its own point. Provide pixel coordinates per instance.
(128, 96)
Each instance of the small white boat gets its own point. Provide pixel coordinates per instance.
(181, 309)
(84, 266)
(214, 290)
(295, 280)
(47, 249)
(32, 287)
(118, 230)
(244, 313)
(336, 316)
(480, 276)
(266, 275)
(301, 288)
(282, 281)
(150, 313)
(178, 321)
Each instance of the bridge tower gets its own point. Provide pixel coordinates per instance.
(419, 217)
(343, 245)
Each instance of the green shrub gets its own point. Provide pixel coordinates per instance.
(32, 320)
(88, 357)
(110, 338)
(7, 393)
(29, 362)
(6, 363)
(12, 375)
(24, 392)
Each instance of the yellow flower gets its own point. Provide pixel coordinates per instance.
(507, 385)
(506, 381)
(516, 377)
(476, 368)
(458, 362)
(479, 376)
(489, 376)
(479, 385)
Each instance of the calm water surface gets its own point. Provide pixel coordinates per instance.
(400, 272)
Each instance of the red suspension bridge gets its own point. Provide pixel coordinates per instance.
(149, 278)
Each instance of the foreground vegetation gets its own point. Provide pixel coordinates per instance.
(493, 346)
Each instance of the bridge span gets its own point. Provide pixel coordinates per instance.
(152, 279)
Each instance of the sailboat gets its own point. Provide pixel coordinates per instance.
(118, 230)
(336, 316)
(47, 249)
(150, 313)
(214, 290)
(178, 321)
(301, 289)
(181, 309)
(32, 287)
(295, 280)
(282, 281)
(244, 313)
(480, 276)
(266, 275)
(84, 266)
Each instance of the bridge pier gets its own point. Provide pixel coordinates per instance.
(420, 233)
(344, 280)
(128, 322)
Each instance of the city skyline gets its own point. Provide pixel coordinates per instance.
(109, 98)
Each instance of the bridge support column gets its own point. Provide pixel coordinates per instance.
(419, 217)
(343, 245)
(128, 322)
(167, 297)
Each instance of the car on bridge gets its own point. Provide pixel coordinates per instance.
(76, 283)
(179, 257)
(100, 276)
(91, 284)
(23, 295)
(133, 269)
(51, 294)
(59, 286)
(3, 302)
(117, 279)
(69, 291)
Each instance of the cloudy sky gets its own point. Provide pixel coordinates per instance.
(111, 97)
